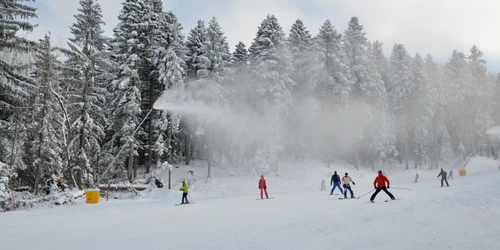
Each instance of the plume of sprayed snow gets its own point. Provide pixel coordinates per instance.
(309, 129)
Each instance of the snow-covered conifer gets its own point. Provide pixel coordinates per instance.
(46, 130)
(87, 72)
(271, 67)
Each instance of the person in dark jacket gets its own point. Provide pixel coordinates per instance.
(381, 183)
(443, 175)
(336, 183)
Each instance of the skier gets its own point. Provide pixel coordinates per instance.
(451, 175)
(323, 185)
(379, 185)
(336, 183)
(443, 177)
(185, 191)
(263, 187)
(345, 181)
(416, 178)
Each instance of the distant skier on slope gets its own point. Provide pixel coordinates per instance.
(345, 181)
(185, 191)
(263, 187)
(323, 185)
(380, 184)
(443, 175)
(451, 175)
(335, 182)
(416, 178)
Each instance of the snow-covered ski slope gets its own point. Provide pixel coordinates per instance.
(463, 216)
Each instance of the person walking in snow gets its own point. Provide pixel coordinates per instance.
(346, 180)
(185, 191)
(323, 185)
(335, 182)
(443, 175)
(263, 187)
(380, 183)
(451, 175)
(416, 178)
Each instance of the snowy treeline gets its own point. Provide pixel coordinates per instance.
(326, 94)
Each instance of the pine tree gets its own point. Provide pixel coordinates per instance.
(14, 16)
(459, 99)
(300, 45)
(171, 73)
(197, 45)
(381, 62)
(401, 91)
(46, 128)
(480, 109)
(439, 147)
(421, 110)
(87, 72)
(367, 87)
(129, 45)
(219, 52)
(329, 69)
(367, 83)
(149, 74)
(271, 68)
(240, 55)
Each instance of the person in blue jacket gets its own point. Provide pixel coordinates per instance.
(335, 182)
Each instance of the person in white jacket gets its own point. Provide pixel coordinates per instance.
(346, 180)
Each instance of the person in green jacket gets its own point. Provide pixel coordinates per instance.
(185, 190)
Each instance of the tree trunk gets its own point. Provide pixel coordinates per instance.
(188, 147)
(169, 179)
(131, 164)
(150, 139)
(406, 153)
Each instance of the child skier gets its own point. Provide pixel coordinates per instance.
(263, 187)
(379, 185)
(185, 191)
(335, 182)
(416, 178)
(451, 175)
(345, 181)
(323, 185)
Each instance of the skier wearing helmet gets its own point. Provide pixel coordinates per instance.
(263, 187)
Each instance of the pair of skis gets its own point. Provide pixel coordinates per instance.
(342, 198)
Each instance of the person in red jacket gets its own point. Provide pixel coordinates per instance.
(380, 184)
(263, 187)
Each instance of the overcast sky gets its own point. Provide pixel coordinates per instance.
(433, 27)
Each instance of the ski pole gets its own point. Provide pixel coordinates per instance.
(366, 193)
(401, 188)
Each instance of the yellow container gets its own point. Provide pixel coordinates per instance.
(462, 172)
(92, 196)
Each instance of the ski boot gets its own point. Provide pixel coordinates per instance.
(372, 201)
(352, 196)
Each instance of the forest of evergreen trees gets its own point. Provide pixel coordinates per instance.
(325, 94)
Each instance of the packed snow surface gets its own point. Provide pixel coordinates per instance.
(228, 216)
